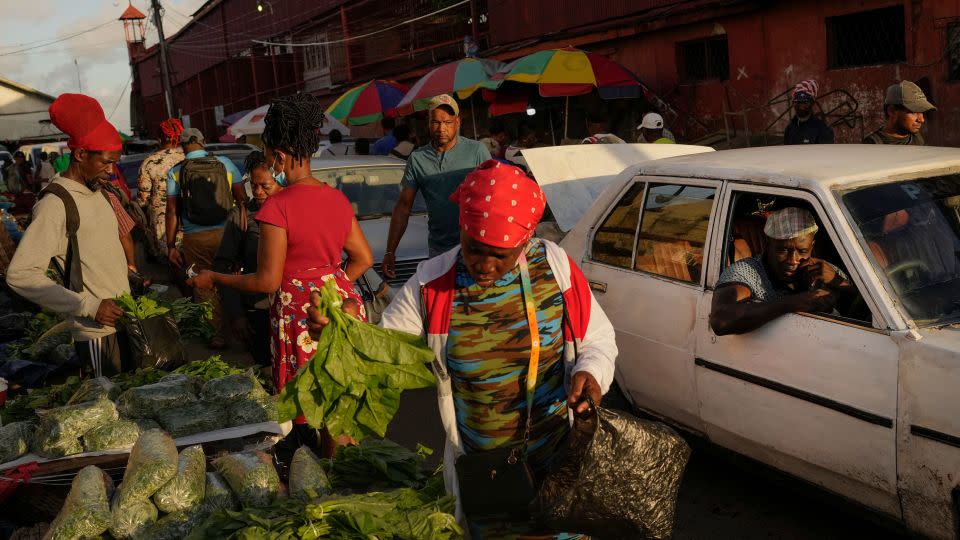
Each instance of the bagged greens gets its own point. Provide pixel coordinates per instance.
(116, 435)
(86, 511)
(251, 475)
(352, 384)
(217, 494)
(192, 418)
(233, 388)
(61, 354)
(132, 519)
(185, 490)
(52, 448)
(173, 526)
(147, 401)
(145, 423)
(192, 382)
(152, 463)
(92, 390)
(72, 421)
(308, 480)
(253, 411)
(15, 440)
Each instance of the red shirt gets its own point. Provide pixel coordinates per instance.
(317, 220)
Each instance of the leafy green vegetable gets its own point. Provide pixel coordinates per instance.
(352, 384)
(115, 435)
(184, 490)
(15, 440)
(25, 406)
(193, 319)
(39, 324)
(307, 477)
(142, 307)
(86, 512)
(132, 519)
(376, 463)
(209, 369)
(140, 377)
(152, 463)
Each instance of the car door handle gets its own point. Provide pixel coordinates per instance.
(598, 286)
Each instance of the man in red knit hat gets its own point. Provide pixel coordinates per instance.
(77, 228)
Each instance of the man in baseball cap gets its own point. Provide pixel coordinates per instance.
(651, 130)
(805, 127)
(905, 107)
(435, 170)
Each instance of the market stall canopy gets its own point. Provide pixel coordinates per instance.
(570, 72)
(367, 103)
(230, 119)
(462, 77)
(252, 124)
(573, 177)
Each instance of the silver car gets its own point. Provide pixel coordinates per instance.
(372, 184)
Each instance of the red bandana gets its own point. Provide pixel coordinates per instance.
(81, 117)
(499, 205)
(171, 128)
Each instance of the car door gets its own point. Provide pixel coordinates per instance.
(646, 268)
(812, 395)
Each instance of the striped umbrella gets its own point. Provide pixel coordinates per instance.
(367, 103)
(570, 72)
(463, 77)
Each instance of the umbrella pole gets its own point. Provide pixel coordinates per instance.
(566, 116)
(553, 132)
(473, 117)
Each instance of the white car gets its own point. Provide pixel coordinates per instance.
(372, 184)
(864, 403)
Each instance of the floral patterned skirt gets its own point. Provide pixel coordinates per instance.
(291, 344)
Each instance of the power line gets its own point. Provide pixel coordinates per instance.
(120, 97)
(362, 36)
(65, 38)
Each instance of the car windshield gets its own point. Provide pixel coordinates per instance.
(912, 229)
(373, 191)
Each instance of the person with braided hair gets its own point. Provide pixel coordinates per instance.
(304, 229)
(152, 186)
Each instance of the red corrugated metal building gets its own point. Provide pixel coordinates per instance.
(719, 67)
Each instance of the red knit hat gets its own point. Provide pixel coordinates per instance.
(499, 205)
(82, 118)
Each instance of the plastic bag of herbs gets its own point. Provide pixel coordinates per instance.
(15, 440)
(251, 475)
(86, 511)
(352, 385)
(148, 400)
(152, 463)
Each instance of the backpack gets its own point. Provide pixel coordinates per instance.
(206, 197)
(72, 274)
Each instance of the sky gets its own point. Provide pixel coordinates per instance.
(99, 56)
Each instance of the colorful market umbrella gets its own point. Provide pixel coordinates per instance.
(367, 103)
(570, 72)
(462, 77)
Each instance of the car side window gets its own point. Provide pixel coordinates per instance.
(613, 242)
(673, 231)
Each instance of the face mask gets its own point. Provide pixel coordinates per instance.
(279, 177)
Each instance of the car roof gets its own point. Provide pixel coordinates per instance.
(813, 166)
(354, 161)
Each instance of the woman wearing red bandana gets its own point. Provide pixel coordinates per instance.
(475, 304)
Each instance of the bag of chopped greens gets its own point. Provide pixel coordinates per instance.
(146, 401)
(185, 490)
(152, 463)
(308, 480)
(233, 388)
(174, 526)
(74, 420)
(132, 519)
(193, 382)
(15, 440)
(253, 411)
(86, 511)
(217, 494)
(192, 418)
(116, 435)
(251, 475)
(52, 448)
(92, 390)
(145, 423)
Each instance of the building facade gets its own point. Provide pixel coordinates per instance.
(719, 70)
(23, 114)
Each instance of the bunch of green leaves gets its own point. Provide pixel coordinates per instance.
(134, 379)
(403, 514)
(193, 319)
(352, 384)
(39, 324)
(378, 463)
(141, 307)
(211, 368)
(25, 406)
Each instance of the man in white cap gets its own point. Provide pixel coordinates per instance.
(805, 127)
(783, 279)
(435, 170)
(905, 107)
(652, 131)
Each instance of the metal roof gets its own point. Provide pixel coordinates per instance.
(809, 166)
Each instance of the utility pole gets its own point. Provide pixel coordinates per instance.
(164, 60)
(79, 82)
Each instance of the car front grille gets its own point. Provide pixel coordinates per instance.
(405, 269)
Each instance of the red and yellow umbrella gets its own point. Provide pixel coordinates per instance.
(570, 72)
(367, 103)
